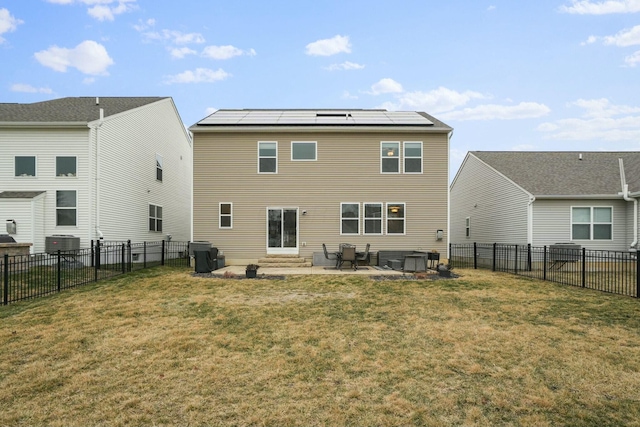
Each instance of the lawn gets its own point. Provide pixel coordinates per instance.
(160, 347)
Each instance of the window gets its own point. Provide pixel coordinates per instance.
(373, 218)
(390, 157)
(25, 166)
(158, 167)
(304, 151)
(413, 157)
(468, 227)
(395, 218)
(65, 166)
(267, 157)
(66, 207)
(155, 218)
(226, 218)
(591, 223)
(349, 218)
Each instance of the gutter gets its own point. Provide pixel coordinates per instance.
(625, 196)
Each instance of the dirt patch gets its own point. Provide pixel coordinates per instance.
(284, 297)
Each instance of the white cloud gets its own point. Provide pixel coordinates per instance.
(347, 95)
(598, 122)
(181, 52)
(385, 86)
(27, 88)
(225, 52)
(587, 7)
(175, 37)
(439, 100)
(328, 47)
(624, 38)
(492, 7)
(345, 66)
(199, 75)
(89, 57)
(88, 80)
(144, 25)
(8, 23)
(633, 59)
(102, 10)
(209, 111)
(524, 110)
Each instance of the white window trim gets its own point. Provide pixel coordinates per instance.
(365, 218)
(156, 218)
(220, 215)
(404, 157)
(66, 176)
(399, 157)
(159, 166)
(315, 155)
(259, 157)
(350, 219)
(404, 219)
(591, 223)
(75, 208)
(35, 166)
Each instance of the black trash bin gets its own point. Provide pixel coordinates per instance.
(204, 261)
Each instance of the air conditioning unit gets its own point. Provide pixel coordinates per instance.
(61, 242)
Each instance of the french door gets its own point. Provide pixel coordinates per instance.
(282, 230)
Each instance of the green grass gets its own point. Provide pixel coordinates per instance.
(160, 347)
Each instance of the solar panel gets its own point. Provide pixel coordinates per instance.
(315, 117)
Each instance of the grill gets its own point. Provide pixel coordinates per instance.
(5, 238)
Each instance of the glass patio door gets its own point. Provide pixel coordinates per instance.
(282, 230)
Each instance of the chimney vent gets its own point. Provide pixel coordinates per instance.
(580, 156)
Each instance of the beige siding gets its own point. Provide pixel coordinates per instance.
(347, 170)
(496, 207)
(552, 223)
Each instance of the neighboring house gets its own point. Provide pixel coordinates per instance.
(116, 168)
(286, 181)
(543, 198)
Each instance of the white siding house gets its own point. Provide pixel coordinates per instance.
(543, 198)
(88, 167)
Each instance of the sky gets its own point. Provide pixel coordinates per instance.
(533, 75)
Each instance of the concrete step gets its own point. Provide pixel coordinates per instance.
(283, 261)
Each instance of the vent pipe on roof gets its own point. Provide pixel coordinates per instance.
(580, 156)
(97, 100)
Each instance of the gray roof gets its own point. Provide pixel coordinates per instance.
(20, 194)
(74, 109)
(320, 117)
(562, 173)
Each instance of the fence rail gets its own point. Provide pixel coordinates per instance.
(35, 275)
(616, 272)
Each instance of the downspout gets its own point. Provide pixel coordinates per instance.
(532, 199)
(625, 196)
(98, 126)
(449, 135)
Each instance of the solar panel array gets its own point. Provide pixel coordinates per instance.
(315, 117)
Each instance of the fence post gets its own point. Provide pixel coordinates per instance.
(493, 257)
(186, 256)
(528, 256)
(124, 264)
(129, 256)
(637, 273)
(163, 249)
(475, 256)
(544, 264)
(584, 266)
(59, 270)
(5, 280)
(96, 264)
(515, 259)
(92, 254)
(144, 255)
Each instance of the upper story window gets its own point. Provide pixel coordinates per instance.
(395, 218)
(66, 203)
(349, 218)
(390, 157)
(372, 218)
(25, 166)
(226, 215)
(66, 166)
(155, 218)
(304, 151)
(413, 157)
(591, 223)
(158, 167)
(268, 157)
(467, 227)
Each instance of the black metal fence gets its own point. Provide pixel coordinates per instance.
(616, 272)
(36, 275)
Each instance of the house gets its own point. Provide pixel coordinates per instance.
(543, 198)
(116, 168)
(283, 182)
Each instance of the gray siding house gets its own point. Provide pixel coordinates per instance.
(543, 198)
(283, 182)
(116, 168)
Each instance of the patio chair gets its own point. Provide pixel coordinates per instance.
(362, 256)
(333, 256)
(348, 254)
